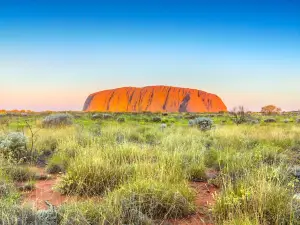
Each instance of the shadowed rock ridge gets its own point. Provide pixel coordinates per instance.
(154, 99)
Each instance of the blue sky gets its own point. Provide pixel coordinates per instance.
(54, 53)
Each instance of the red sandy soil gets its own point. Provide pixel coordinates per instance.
(44, 192)
(204, 200)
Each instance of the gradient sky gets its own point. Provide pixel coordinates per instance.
(54, 53)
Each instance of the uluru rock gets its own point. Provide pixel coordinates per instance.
(154, 99)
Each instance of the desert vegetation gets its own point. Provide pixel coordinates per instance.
(150, 168)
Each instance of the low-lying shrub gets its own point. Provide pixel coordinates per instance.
(56, 164)
(13, 146)
(202, 123)
(57, 120)
(156, 119)
(270, 120)
(121, 120)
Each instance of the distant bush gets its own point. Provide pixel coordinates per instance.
(298, 120)
(96, 130)
(121, 119)
(103, 116)
(13, 146)
(107, 116)
(57, 120)
(163, 126)
(156, 119)
(202, 123)
(253, 121)
(270, 120)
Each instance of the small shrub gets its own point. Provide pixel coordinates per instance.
(13, 146)
(202, 123)
(29, 186)
(191, 123)
(96, 130)
(298, 120)
(106, 116)
(120, 138)
(56, 164)
(19, 173)
(196, 172)
(13, 213)
(121, 120)
(211, 158)
(48, 216)
(156, 119)
(57, 120)
(270, 120)
(96, 116)
(253, 121)
(6, 188)
(163, 126)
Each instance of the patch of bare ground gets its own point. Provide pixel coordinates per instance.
(44, 191)
(204, 200)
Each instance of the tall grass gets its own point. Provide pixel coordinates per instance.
(142, 172)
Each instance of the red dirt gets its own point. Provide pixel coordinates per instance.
(204, 199)
(44, 192)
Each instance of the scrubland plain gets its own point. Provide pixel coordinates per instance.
(110, 168)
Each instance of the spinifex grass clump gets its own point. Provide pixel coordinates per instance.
(143, 200)
(259, 194)
(57, 120)
(93, 176)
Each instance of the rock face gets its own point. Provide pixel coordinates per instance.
(154, 99)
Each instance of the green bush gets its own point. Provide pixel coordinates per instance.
(121, 120)
(57, 120)
(13, 146)
(56, 164)
(156, 119)
(202, 123)
(270, 120)
(19, 173)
